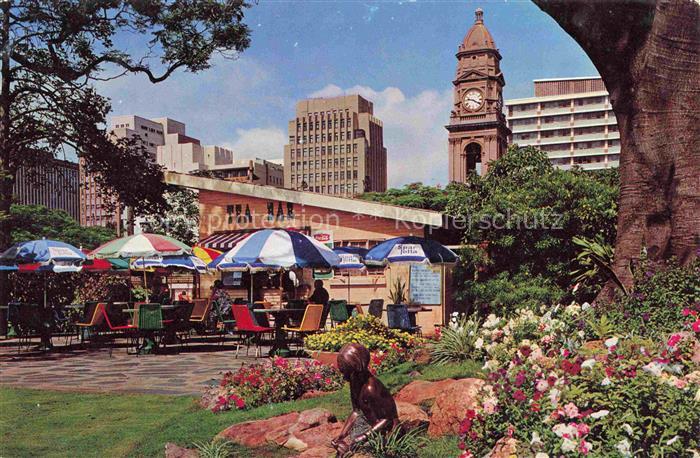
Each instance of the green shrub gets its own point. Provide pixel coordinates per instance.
(456, 341)
(658, 300)
(398, 443)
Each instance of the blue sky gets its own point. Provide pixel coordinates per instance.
(398, 54)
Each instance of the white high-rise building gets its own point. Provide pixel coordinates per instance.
(571, 119)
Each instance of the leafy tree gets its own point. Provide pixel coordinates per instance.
(52, 51)
(647, 54)
(416, 195)
(181, 222)
(33, 222)
(524, 214)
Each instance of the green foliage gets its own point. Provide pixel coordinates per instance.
(102, 287)
(216, 448)
(503, 293)
(456, 342)
(181, 222)
(596, 261)
(526, 214)
(398, 292)
(415, 195)
(397, 443)
(31, 222)
(660, 295)
(602, 328)
(139, 294)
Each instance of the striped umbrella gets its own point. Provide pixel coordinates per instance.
(410, 250)
(51, 255)
(205, 254)
(351, 261)
(184, 262)
(142, 245)
(271, 248)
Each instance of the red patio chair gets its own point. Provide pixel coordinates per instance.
(247, 327)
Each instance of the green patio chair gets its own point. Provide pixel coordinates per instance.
(149, 322)
(338, 311)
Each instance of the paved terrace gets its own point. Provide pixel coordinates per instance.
(73, 368)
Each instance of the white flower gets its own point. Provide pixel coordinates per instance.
(653, 368)
(672, 440)
(541, 455)
(600, 414)
(585, 306)
(542, 385)
(697, 396)
(536, 440)
(611, 342)
(624, 447)
(581, 334)
(587, 364)
(605, 382)
(554, 397)
(479, 343)
(568, 445)
(628, 429)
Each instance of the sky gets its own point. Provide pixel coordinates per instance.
(398, 54)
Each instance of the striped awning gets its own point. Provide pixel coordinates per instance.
(223, 241)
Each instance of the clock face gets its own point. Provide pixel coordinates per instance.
(473, 99)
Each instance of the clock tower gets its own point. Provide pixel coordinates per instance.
(477, 130)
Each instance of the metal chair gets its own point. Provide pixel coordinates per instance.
(247, 327)
(376, 307)
(338, 311)
(310, 323)
(397, 317)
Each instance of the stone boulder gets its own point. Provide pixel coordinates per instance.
(505, 447)
(451, 405)
(175, 451)
(411, 416)
(318, 452)
(318, 436)
(258, 432)
(422, 390)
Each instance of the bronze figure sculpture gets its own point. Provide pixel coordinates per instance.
(373, 407)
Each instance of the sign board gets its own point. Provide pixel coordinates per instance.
(325, 237)
(62, 252)
(406, 252)
(232, 278)
(425, 285)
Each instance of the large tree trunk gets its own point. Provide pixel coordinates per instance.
(648, 54)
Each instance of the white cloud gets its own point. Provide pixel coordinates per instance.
(265, 143)
(414, 132)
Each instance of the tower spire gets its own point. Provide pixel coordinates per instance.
(479, 13)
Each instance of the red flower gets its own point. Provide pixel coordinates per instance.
(535, 407)
(520, 378)
(696, 325)
(519, 396)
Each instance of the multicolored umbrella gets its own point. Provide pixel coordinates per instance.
(141, 246)
(206, 254)
(50, 255)
(184, 262)
(410, 250)
(276, 249)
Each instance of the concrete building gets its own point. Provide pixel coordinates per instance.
(54, 185)
(336, 147)
(478, 133)
(571, 119)
(256, 171)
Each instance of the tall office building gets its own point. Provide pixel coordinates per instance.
(336, 146)
(53, 184)
(571, 119)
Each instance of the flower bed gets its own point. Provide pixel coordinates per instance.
(556, 392)
(276, 380)
(388, 347)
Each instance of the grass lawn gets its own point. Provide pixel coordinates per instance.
(60, 424)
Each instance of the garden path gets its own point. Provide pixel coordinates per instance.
(92, 369)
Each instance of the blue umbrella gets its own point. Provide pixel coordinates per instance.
(50, 254)
(183, 261)
(410, 250)
(276, 249)
(351, 260)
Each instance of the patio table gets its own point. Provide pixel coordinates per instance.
(279, 345)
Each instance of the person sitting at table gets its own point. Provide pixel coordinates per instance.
(220, 298)
(321, 296)
(183, 296)
(161, 295)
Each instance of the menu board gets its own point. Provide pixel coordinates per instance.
(425, 286)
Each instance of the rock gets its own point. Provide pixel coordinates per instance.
(175, 451)
(411, 416)
(318, 452)
(256, 433)
(314, 394)
(295, 444)
(311, 418)
(506, 447)
(451, 404)
(422, 390)
(318, 436)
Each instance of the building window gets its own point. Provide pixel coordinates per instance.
(229, 212)
(270, 211)
(290, 210)
(248, 216)
(280, 212)
(239, 209)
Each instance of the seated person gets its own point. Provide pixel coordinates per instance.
(321, 296)
(373, 407)
(183, 296)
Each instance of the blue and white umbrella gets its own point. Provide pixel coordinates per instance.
(52, 256)
(410, 250)
(275, 249)
(183, 261)
(351, 261)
